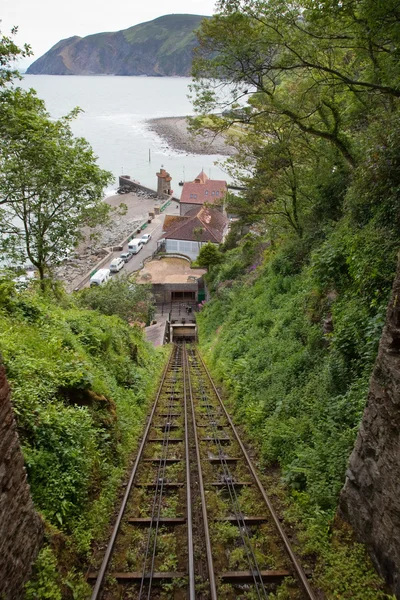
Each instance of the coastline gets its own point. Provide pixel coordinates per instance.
(175, 131)
(97, 241)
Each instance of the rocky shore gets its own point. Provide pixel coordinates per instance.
(175, 131)
(91, 252)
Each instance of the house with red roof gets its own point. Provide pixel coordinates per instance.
(200, 225)
(200, 191)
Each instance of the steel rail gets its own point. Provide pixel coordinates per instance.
(298, 568)
(110, 546)
(210, 563)
(189, 516)
(158, 494)
(243, 529)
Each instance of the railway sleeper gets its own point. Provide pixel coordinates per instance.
(164, 484)
(223, 459)
(136, 576)
(167, 521)
(168, 461)
(169, 415)
(222, 441)
(209, 425)
(225, 484)
(245, 520)
(241, 577)
(161, 440)
(167, 426)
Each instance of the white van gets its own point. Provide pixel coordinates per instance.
(135, 246)
(117, 264)
(100, 277)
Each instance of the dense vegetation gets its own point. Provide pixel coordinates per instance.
(80, 371)
(80, 388)
(300, 292)
(50, 183)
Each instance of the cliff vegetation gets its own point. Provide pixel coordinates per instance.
(80, 371)
(80, 383)
(301, 285)
(162, 47)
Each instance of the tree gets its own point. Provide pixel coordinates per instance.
(198, 232)
(319, 66)
(9, 53)
(121, 296)
(50, 184)
(314, 75)
(209, 256)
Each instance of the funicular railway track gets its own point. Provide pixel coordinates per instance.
(195, 521)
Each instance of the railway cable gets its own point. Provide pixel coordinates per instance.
(96, 594)
(158, 494)
(189, 516)
(176, 374)
(229, 481)
(302, 578)
(209, 557)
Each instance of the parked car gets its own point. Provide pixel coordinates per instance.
(116, 265)
(145, 238)
(135, 246)
(100, 277)
(126, 256)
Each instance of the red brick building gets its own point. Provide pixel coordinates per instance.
(202, 190)
(186, 234)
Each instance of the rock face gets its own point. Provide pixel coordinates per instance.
(21, 530)
(370, 499)
(162, 47)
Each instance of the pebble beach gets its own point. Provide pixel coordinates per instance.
(175, 131)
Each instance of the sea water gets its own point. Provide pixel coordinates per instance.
(115, 111)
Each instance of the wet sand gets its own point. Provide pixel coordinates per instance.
(175, 131)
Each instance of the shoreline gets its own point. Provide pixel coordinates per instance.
(97, 241)
(175, 131)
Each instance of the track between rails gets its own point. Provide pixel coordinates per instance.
(195, 521)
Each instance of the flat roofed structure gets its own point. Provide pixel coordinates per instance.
(169, 270)
(173, 280)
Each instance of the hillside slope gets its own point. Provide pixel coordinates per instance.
(81, 382)
(162, 47)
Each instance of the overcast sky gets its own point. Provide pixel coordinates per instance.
(42, 23)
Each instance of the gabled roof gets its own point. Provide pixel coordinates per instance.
(202, 177)
(210, 191)
(210, 221)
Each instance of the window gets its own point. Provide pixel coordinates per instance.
(217, 193)
(172, 245)
(191, 195)
(194, 195)
(185, 247)
(212, 193)
(206, 192)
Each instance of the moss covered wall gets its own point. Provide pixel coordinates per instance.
(21, 529)
(370, 499)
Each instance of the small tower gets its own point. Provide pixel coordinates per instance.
(163, 182)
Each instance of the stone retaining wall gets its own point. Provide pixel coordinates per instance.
(21, 529)
(370, 499)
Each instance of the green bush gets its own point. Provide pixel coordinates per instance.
(81, 382)
(294, 343)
